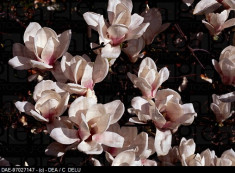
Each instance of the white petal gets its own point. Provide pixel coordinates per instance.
(30, 33)
(64, 39)
(100, 69)
(24, 106)
(110, 139)
(64, 135)
(110, 51)
(162, 142)
(20, 63)
(138, 32)
(90, 147)
(115, 109)
(206, 6)
(125, 157)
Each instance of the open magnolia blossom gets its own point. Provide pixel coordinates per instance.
(91, 121)
(135, 46)
(49, 103)
(149, 79)
(80, 70)
(142, 143)
(42, 48)
(167, 113)
(122, 26)
(222, 110)
(209, 6)
(216, 22)
(226, 65)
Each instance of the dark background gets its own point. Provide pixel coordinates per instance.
(18, 144)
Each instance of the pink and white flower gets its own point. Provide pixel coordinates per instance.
(80, 70)
(92, 121)
(149, 79)
(122, 26)
(222, 110)
(42, 49)
(167, 113)
(226, 65)
(217, 22)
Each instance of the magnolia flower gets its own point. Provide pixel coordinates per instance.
(208, 6)
(216, 22)
(92, 121)
(135, 46)
(42, 48)
(186, 153)
(149, 79)
(167, 113)
(122, 26)
(209, 157)
(230, 155)
(226, 65)
(222, 110)
(143, 144)
(49, 103)
(80, 70)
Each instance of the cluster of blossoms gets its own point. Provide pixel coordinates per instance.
(91, 127)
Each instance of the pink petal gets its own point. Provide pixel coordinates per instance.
(100, 69)
(48, 52)
(87, 76)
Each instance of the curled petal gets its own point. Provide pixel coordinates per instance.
(64, 135)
